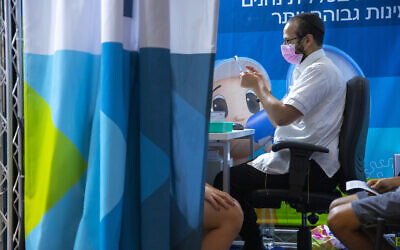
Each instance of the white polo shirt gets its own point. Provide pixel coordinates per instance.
(319, 93)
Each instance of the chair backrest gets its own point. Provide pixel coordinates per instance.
(353, 134)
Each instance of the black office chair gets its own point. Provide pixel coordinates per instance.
(352, 140)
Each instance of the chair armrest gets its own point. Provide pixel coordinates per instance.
(298, 145)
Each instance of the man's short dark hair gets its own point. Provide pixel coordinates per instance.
(309, 23)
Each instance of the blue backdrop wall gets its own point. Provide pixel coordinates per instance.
(365, 32)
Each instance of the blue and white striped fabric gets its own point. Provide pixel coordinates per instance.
(126, 84)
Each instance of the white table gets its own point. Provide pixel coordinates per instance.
(223, 140)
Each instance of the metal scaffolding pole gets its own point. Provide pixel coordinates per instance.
(11, 127)
(3, 128)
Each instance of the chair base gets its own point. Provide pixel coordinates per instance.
(304, 238)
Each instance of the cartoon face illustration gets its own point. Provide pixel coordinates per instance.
(238, 103)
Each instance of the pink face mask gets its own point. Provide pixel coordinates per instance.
(289, 53)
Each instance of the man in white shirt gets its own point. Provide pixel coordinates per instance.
(312, 112)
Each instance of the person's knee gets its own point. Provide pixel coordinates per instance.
(335, 203)
(234, 217)
(336, 220)
(342, 200)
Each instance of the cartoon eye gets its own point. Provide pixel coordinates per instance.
(252, 103)
(219, 104)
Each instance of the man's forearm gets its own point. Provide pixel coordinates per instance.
(278, 113)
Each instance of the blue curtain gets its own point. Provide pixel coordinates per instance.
(116, 122)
